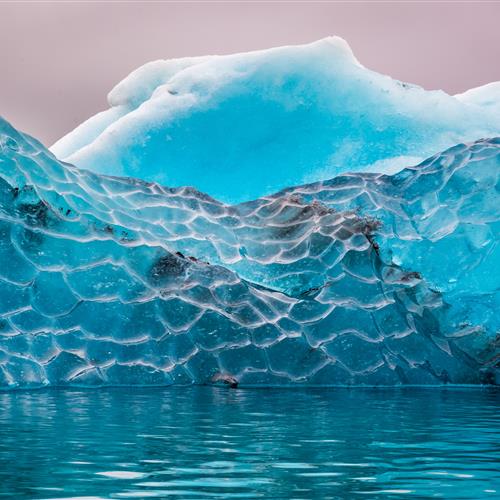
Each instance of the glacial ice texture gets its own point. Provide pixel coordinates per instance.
(363, 279)
(288, 115)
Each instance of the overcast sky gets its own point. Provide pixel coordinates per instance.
(58, 61)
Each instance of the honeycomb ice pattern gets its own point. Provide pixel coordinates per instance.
(366, 279)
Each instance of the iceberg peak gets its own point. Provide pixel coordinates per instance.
(142, 82)
(288, 115)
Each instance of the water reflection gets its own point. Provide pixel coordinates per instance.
(221, 443)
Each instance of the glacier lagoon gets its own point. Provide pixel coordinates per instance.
(312, 240)
(210, 442)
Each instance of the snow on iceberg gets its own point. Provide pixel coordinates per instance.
(486, 96)
(364, 279)
(241, 126)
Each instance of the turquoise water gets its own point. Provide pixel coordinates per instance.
(222, 443)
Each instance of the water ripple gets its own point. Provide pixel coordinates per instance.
(275, 444)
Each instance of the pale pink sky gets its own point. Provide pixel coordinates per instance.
(59, 60)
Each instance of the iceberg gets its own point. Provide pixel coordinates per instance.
(242, 126)
(364, 279)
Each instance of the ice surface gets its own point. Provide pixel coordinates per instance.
(486, 96)
(242, 126)
(364, 279)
